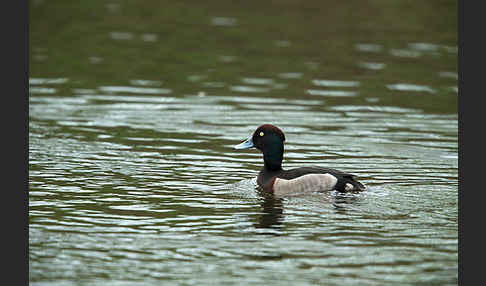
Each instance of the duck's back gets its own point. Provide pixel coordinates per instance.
(297, 172)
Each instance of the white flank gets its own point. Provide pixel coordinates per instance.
(304, 184)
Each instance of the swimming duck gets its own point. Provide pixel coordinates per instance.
(269, 139)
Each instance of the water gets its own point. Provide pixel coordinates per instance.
(132, 178)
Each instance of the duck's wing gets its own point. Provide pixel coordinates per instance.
(345, 181)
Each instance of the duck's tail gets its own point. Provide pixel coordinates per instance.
(349, 184)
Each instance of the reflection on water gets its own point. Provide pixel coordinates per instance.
(410, 87)
(272, 212)
(134, 108)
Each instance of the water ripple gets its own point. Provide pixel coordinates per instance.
(153, 180)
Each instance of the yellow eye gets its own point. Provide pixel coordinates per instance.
(261, 134)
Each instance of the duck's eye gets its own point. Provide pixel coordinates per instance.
(261, 133)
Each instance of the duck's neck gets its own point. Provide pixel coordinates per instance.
(273, 157)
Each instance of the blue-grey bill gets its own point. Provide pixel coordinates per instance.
(248, 143)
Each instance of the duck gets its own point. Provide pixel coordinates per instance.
(272, 178)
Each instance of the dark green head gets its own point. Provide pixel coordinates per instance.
(268, 139)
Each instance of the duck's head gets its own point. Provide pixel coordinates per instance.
(268, 139)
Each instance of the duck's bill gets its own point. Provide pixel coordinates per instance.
(248, 143)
